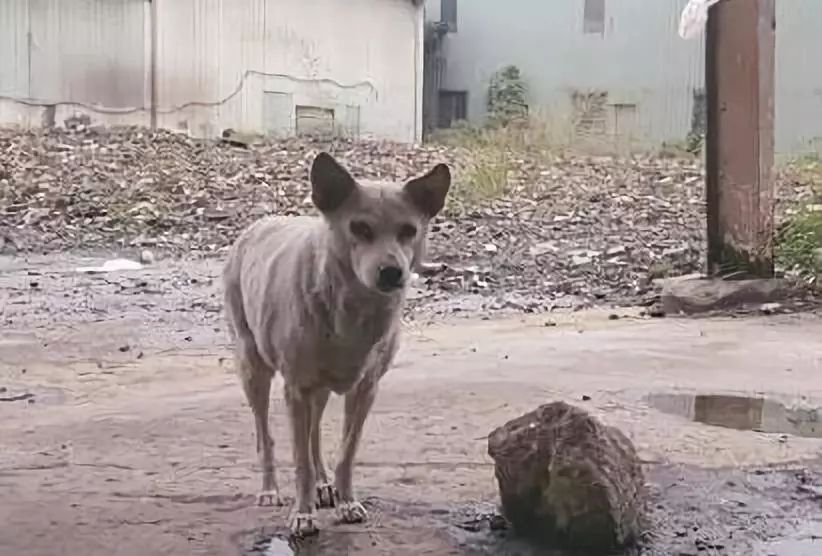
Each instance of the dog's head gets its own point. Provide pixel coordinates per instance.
(379, 229)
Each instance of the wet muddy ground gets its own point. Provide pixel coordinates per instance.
(123, 430)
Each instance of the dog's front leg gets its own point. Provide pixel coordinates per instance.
(303, 521)
(325, 491)
(358, 403)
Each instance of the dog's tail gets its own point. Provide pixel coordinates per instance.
(233, 306)
(236, 322)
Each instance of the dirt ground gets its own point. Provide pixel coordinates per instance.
(124, 432)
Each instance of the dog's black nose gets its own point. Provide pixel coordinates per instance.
(389, 278)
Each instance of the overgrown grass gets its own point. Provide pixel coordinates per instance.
(799, 237)
(490, 153)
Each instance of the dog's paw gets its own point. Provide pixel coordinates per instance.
(304, 524)
(326, 496)
(352, 512)
(269, 498)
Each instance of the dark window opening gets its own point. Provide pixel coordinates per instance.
(452, 107)
(448, 14)
(594, 17)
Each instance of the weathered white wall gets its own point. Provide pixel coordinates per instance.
(649, 73)
(75, 51)
(241, 64)
(356, 57)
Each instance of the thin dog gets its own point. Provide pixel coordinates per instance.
(319, 299)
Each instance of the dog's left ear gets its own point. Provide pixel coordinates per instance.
(331, 184)
(428, 192)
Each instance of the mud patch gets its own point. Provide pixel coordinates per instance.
(693, 511)
(742, 413)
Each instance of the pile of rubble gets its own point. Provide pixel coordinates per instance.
(570, 229)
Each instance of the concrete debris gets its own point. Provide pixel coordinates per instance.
(569, 481)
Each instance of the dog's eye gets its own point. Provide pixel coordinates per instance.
(361, 230)
(407, 231)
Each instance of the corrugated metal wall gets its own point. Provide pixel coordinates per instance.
(650, 75)
(289, 53)
(81, 51)
(244, 64)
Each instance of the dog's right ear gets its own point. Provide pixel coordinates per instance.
(331, 184)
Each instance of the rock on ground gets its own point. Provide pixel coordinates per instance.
(567, 480)
(700, 295)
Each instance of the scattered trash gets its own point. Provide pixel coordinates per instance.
(113, 265)
(694, 18)
(770, 308)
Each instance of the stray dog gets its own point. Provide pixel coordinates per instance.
(319, 300)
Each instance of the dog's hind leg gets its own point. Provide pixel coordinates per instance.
(256, 379)
(358, 404)
(325, 490)
(303, 520)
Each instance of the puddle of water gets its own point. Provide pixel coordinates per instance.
(472, 530)
(741, 413)
(275, 546)
(807, 543)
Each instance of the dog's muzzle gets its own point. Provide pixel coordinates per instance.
(390, 278)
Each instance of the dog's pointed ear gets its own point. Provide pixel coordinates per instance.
(428, 192)
(331, 184)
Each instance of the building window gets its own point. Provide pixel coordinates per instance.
(314, 121)
(452, 107)
(448, 14)
(594, 17)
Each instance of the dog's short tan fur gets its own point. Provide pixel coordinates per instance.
(319, 300)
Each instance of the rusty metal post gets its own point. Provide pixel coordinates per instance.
(739, 81)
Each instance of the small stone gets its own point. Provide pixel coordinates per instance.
(146, 257)
(497, 523)
(124, 348)
(569, 481)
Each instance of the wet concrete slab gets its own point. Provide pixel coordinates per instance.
(151, 449)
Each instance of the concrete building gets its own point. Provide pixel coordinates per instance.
(269, 66)
(614, 68)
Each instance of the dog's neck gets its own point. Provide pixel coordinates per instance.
(348, 304)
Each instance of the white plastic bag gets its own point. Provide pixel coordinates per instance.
(694, 17)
